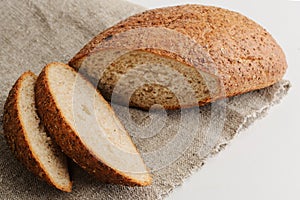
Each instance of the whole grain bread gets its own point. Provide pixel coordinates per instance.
(27, 138)
(216, 53)
(86, 128)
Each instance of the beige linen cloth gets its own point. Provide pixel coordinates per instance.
(173, 144)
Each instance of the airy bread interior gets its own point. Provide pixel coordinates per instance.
(47, 153)
(95, 123)
(144, 79)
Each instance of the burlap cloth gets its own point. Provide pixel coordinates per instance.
(173, 144)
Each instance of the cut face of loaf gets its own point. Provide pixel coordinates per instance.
(27, 138)
(144, 78)
(197, 47)
(86, 128)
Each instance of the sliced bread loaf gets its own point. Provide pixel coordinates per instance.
(217, 53)
(27, 138)
(86, 128)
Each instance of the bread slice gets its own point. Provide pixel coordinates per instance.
(27, 138)
(86, 128)
(181, 56)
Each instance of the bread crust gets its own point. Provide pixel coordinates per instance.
(16, 136)
(68, 140)
(246, 57)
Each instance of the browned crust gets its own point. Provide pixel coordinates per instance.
(247, 57)
(68, 140)
(16, 135)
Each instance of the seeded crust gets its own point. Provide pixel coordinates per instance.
(245, 56)
(16, 136)
(66, 137)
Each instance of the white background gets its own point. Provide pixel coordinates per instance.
(263, 162)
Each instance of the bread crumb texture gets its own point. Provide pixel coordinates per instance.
(28, 139)
(86, 128)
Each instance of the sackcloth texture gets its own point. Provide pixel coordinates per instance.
(174, 144)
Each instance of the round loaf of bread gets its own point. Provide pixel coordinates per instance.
(181, 56)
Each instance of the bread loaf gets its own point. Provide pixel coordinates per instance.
(86, 128)
(181, 56)
(27, 138)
